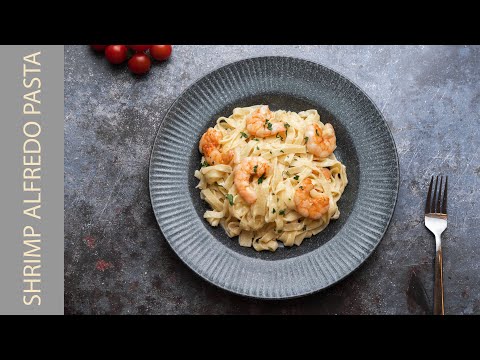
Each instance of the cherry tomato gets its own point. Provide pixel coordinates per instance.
(116, 54)
(139, 63)
(98, 47)
(139, 48)
(161, 52)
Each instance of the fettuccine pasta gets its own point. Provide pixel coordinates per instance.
(266, 177)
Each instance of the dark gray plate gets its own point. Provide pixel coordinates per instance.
(364, 144)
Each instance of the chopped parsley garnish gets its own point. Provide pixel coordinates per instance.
(306, 138)
(296, 177)
(282, 151)
(261, 178)
(278, 136)
(205, 164)
(273, 211)
(269, 125)
(316, 132)
(244, 135)
(256, 139)
(230, 198)
(301, 187)
(258, 148)
(287, 125)
(282, 212)
(271, 152)
(255, 169)
(304, 227)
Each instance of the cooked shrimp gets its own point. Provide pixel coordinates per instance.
(326, 173)
(210, 148)
(249, 167)
(321, 142)
(308, 206)
(259, 125)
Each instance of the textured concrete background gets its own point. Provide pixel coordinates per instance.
(116, 259)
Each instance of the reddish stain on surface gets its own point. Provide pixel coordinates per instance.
(103, 265)
(90, 241)
(133, 286)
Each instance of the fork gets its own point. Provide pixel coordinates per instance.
(436, 222)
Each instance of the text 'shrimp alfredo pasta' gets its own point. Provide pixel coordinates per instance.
(32, 189)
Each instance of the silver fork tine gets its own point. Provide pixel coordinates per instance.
(444, 206)
(427, 205)
(439, 209)
(434, 201)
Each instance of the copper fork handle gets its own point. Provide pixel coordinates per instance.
(438, 308)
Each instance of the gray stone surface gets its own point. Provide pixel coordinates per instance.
(116, 259)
